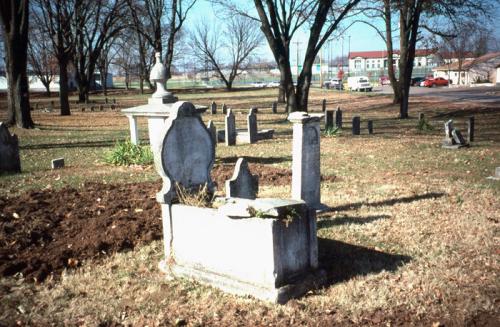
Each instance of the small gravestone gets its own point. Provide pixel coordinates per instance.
(58, 163)
(114, 100)
(82, 108)
(453, 138)
(370, 127)
(50, 107)
(338, 118)
(323, 105)
(495, 177)
(224, 109)
(329, 119)
(36, 106)
(356, 125)
(448, 138)
(230, 126)
(421, 116)
(470, 129)
(242, 184)
(112, 107)
(213, 131)
(457, 137)
(275, 107)
(9, 151)
(92, 108)
(101, 107)
(106, 100)
(252, 126)
(213, 108)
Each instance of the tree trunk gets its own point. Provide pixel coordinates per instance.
(303, 85)
(396, 99)
(281, 92)
(63, 87)
(47, 88)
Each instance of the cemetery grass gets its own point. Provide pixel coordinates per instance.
(411, 239)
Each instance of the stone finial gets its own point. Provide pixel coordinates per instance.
(186, 153)
(158, 75)
(9, 151)
(242, 184)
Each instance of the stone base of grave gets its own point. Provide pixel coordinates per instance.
(455, 146)
(270, 257)
(296, 288)
(242, 136)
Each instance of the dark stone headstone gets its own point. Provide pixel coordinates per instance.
(9, 151)
(213, 131)
(370, 127)
(470, 129)
(323, 105)
(58, 163)
(242, 184)
(106, 100)
(101, 107)
(230, 128)
(114, 100)
(329, 119)
(458, 138)
(338, 118)
(213, 108)
(252, 126)
(224, 109)
(275, 107)
(92, 108)
(356, 125)
(421, 116)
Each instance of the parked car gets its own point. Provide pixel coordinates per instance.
(273, 84)
(334, 83)
(416, 81)
(259, 84)
(384, 80)
(438, 81)
(359, 83)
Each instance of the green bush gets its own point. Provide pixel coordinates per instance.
(332, 131)
(126, 154)
(423, 125)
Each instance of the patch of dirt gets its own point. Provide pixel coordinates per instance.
(44, 232)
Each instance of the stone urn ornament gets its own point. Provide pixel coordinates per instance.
(158, 76)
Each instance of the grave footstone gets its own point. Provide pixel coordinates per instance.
(213, 131)
(252, 126)
(470, 129)
(58, 163)
(9, 151)
(242, 184)
(323, 105)
(306, 176)
(213, 108)
(275, 107)
(338, 118)
(370, 127)
(329, 119)
(224, 109)
(230, 128)
(356, 125)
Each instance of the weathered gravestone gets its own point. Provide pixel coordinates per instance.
(252, 126)
(470, 129)
(457, 137)
(370, 127)
(242, 184)
(266, 248)
(213, 131)
(453, 138)
(57, 163)
(448, 137)
(9, 151)
(213, 108)
(306, 175)
(323, 105)
(329, 119)
(275, 107)
(356, 125)
(421, 116)
(338, 118)
(230, 128)
(224, 109)
(101, 107)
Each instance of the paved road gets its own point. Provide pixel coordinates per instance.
(454, 94)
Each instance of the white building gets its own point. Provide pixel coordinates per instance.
(482, 69)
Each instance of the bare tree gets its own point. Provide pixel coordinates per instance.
(108, 53)
(237, 42)
(14, 18)
(41, 59)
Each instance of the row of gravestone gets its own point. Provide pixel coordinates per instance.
(333, 120)
(51, 105)
(224, 108)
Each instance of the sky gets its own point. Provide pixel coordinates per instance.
(363, 37)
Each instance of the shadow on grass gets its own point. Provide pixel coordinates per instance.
(390, 202)
(326, 222)
(87, 144)
(259, 160)
(343, 261)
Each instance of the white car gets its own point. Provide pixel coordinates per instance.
(273, 84)
(259, 84)
(359, 83)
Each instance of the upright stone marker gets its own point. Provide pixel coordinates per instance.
(213, 108)
(230, 126)
(252, 126)
(356, 125)
(275, 107)
(448, 138)
(58, 163)
(470, 129)
(224, 109)
(9, 151)
(213, 131)
(338, 118)
(306, 176)
(370, 127)
(458, 138)
(329, 119)
(421, 116)
(323, 105)
(242, 184)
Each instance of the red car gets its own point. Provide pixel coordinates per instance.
(438, 81)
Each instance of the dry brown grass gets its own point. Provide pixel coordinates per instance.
(412, 237)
